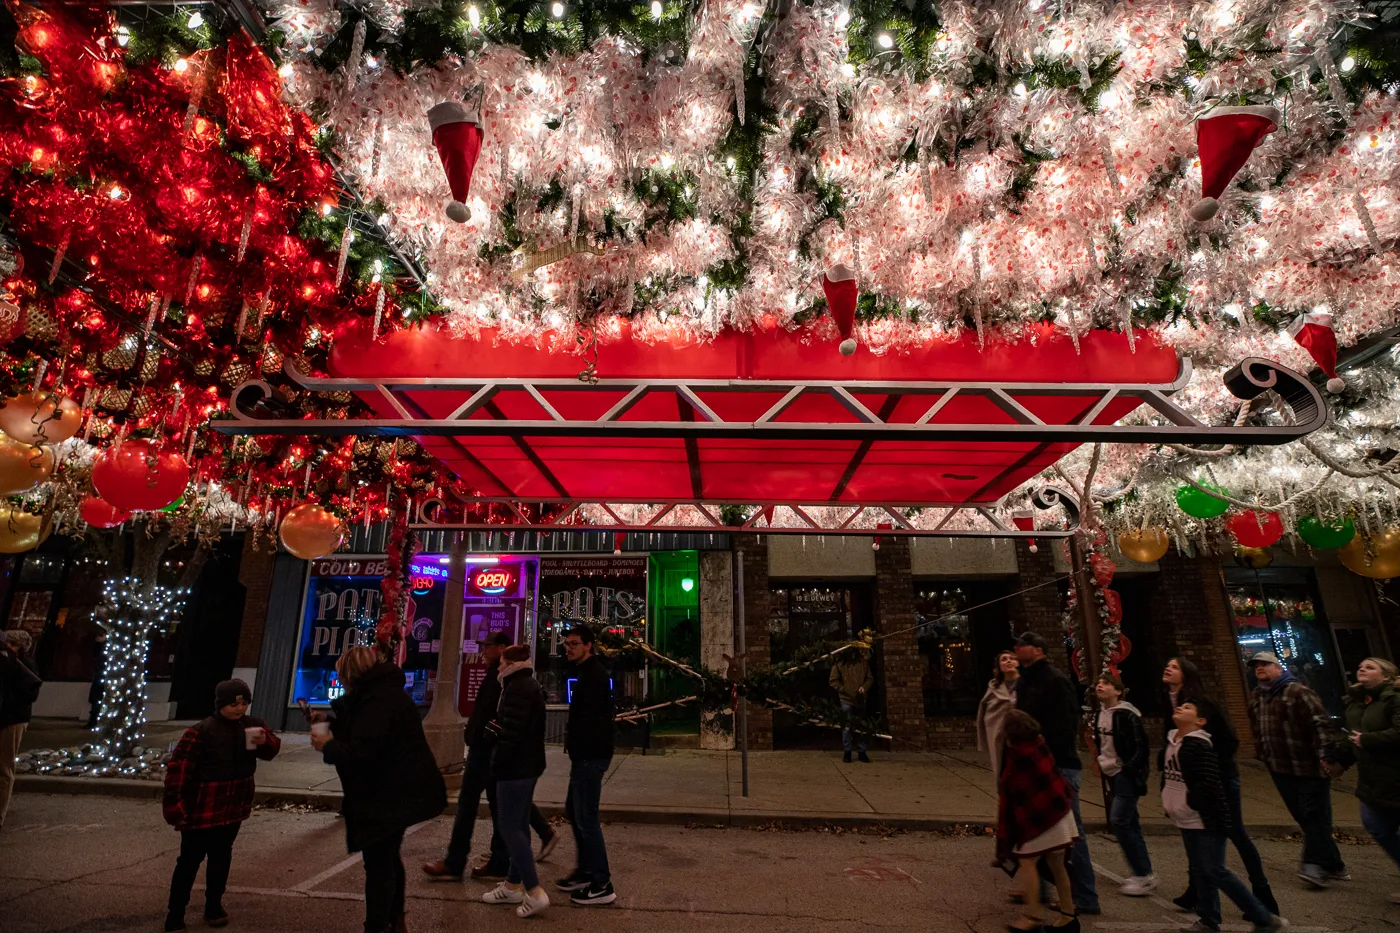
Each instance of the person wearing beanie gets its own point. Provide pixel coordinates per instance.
(209, 793)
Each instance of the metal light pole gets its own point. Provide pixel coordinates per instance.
(740, 649)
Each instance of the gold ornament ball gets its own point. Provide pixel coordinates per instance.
(40, 418)
(21, 531)
(1255, 558)
(309, 531)
(1144, 545)
(21, 466)
(1376, 556)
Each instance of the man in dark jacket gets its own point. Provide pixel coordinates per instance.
(589, 743)
(19, 688)
(1294, 745)
(1045, 692)
(476, 779)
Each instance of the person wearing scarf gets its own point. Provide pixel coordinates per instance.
(517, 762)
(1034, 820)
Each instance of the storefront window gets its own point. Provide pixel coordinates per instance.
(499, 597)
(1276, 610)
(341, 611)
(608, 593)
(962, 626)
(803, 621)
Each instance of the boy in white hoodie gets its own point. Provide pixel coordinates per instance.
(1121, 745)
(1195, 802)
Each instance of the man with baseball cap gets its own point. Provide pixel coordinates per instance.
(1291, 723)
(1047, 693)
(476, 779)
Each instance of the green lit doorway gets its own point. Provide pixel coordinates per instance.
(673, 609)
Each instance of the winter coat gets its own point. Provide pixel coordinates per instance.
(488, 695)
(1032, 795)
(519, 725)
(1222, 732)
(1045, 692)
(387, 772)
(1191, 787)
(850, 678)
(589, 736)
(1130, 748)
(1292, 725)
(19, 688)
(997, 703)
(1375, 713)
(209, 778)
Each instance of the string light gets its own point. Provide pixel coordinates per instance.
(196, 20)
(557, 10)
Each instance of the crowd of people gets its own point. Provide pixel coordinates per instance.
(1028, 723)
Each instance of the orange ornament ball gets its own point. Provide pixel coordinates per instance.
(139, 477)
(309, 531)
(21, 466)
(40, 418)
(1144, 545)
(21, 531)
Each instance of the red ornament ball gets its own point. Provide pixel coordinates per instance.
(99, 513)
(139, 477)
(1255, 529)
(309, 531)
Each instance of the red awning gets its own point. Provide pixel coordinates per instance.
(740, 378)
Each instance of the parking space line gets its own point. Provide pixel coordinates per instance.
(306, 886)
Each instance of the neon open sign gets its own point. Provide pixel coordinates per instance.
(494, 581)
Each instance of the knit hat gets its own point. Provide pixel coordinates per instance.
(228, 693)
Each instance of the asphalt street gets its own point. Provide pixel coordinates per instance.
(87, 864)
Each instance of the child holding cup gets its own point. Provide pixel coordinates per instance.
(208, 795)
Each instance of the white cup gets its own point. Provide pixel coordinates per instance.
(251, 735)
(320, 728)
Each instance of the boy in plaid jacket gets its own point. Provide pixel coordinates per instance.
(208, 795)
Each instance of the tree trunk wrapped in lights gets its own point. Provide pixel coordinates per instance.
(133, 608)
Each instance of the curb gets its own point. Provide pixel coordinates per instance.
(657, 816)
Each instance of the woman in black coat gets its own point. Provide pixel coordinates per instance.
(388, 776)
(517, 761)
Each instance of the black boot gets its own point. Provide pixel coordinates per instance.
(215, 915)
(864, 758)
(846, 757)
(175, 922)
(1187, 901)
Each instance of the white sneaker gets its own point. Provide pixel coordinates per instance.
(503, 894)
(1139, 886)
(531, 905)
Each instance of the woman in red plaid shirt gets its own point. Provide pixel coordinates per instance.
(208, 795)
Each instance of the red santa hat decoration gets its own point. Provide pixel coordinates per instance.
(457, 136)
(1313, 332)
(839, 286)
(1225, 139)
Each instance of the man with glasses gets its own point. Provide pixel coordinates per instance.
(589, 744)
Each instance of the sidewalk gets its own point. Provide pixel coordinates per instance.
(910, 790)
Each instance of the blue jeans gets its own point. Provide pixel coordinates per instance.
(1384, 827)
(581, 808)
(1309, 802)
(1205, 860)
(848, 708)
(1123, 817)
(513, 800)
(1081, 870)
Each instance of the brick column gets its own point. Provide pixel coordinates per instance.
(1040, 610)
(757, 602)
(1190, 605)
(899, 651)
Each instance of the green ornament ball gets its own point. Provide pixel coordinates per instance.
(174, 505)
(1200, 504)
(1324, 536)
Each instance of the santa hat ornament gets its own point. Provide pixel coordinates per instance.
(457, 136)
(1313, 332)
(1225, 138)
(839, 286)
